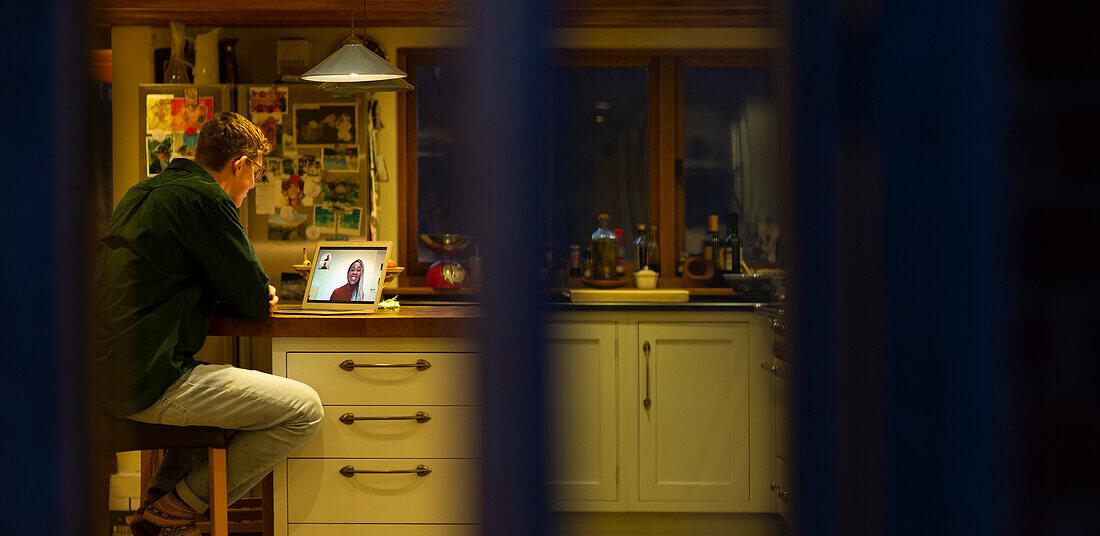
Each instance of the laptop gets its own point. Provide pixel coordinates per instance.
(345, 278)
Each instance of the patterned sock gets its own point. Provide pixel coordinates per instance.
(138, 526)
(169, 511)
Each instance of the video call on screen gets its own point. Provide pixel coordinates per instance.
(331, 274)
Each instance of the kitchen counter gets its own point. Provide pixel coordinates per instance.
(418, 320)
(408, 321)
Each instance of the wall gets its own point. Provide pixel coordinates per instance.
(133, 64)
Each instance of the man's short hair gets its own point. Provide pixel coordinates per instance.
(227, 136)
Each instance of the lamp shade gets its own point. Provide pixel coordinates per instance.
(353, 62)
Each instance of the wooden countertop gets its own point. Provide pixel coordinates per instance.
(408, 321)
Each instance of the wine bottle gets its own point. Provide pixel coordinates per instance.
(712, 245)
(731, 250)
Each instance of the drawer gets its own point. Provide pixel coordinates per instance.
(318, 493)
(384, 530)
(449, 432)
(447, 379)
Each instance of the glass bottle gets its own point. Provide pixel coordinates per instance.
(731, 250)
(620, 251)
(641, 247)
(712, 245)
(605, 251)
(576, 267)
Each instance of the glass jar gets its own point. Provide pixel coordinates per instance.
(605, 251)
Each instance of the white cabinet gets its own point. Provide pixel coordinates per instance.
(582, 411)
(398, 451)
(694, 435)
(705, 441)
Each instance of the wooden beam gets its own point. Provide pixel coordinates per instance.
(559, 13)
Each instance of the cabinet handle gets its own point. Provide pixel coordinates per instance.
(420, 365)
(421, 470)
(782, 492)
(420, 417)
(776, 370)
(646, 402)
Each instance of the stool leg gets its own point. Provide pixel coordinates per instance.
(219, 509)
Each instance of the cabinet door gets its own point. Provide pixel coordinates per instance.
(694, 436)
(582, 387)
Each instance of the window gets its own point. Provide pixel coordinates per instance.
(730, 156)
(656, 137)
(599, 152)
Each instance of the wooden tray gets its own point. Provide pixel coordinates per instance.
(605, 283)
(628, 295)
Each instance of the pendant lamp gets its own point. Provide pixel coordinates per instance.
(353, 62)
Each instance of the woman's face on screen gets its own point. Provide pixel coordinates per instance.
(355, 271)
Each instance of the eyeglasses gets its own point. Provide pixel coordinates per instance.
(260, 169)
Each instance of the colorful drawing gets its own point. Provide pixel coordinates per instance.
(349, 221)
(343, 158)
(188, 115)
(324, 218)
(339, 190)
(158, 112)
(325, 124)
(272, 127)
(267, 100)
(292, 191)
(158, 154)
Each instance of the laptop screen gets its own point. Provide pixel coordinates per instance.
(347, 274)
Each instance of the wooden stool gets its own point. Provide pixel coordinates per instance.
(124, 435)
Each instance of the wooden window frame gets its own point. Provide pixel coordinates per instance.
(666, 135)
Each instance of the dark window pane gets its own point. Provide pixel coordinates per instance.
(600, 152)
(730, 157)
(443, 194)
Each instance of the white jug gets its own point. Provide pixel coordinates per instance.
(206, 57)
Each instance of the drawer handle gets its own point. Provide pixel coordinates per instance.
(420, 365)
(420, 417)
(782, 492)
(776, 370)
(421, 470)
(647, 402)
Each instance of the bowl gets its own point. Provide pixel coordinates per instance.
(446, 244)
(392, 273)
(302, 269)
(645, 278)
(755, 287)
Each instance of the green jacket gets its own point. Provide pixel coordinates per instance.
(174, 249)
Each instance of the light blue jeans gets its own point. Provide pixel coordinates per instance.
(271, 417)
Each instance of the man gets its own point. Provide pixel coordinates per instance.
(173, 253)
